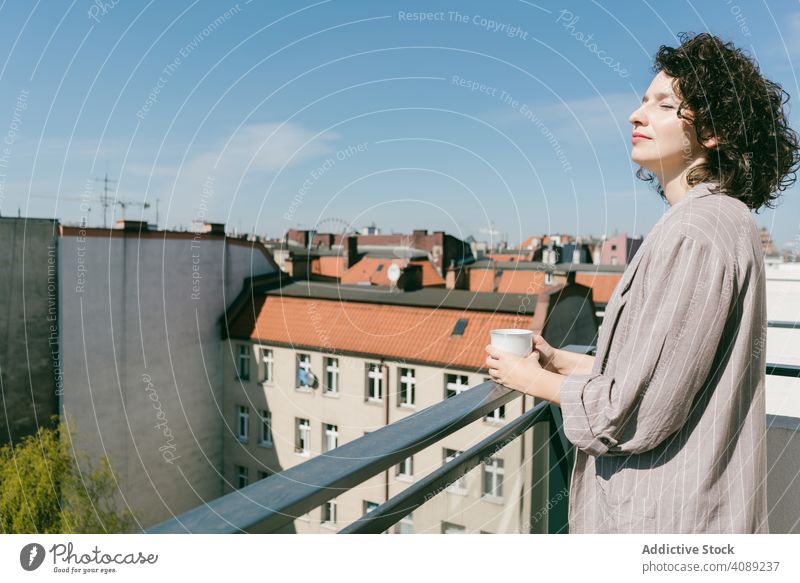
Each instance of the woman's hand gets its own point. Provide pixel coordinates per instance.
(547, 354)
(513, 371)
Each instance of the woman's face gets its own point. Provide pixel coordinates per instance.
(668, 145)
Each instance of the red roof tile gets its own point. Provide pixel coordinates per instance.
(414, 334)
(369, 270)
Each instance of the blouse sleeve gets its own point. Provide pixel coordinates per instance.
(664, 361)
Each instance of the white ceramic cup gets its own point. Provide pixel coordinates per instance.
(515, 340)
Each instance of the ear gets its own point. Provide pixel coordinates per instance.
(711, 143)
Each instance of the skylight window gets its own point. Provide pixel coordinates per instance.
(458, 329)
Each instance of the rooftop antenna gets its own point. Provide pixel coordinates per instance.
(104, 198)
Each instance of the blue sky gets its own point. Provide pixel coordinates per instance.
(270, 115)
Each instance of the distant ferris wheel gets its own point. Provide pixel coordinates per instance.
(334, 225)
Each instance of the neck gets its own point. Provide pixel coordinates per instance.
(676, 186)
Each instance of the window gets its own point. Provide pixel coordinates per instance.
(304, 378)
(331, 375)
(455, 384)
(329, 512)
(330, 438)
(267, 365)
(451, 528)
(407, 385)
(406, 525)
(405, 469)
(460, 485)
(241, 476)
(548, 278)
(374, 382)
(302, 434)
(243, 426)
(499, 414)
(243, 369)
(265, 438)
(458, 329)
(263, 474)
(493, 478)
(369, 506)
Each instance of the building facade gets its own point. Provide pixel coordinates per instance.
(141, 333)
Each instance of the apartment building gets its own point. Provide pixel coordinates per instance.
(311, 366)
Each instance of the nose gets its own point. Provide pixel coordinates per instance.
(638, 117)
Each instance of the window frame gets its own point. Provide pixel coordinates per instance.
(267, 365)
(243, 421)
(448, 383)
(331, 373)
(460, 486)
(326, 436)
(378, 379)
(299, 362)
(497, 479)
(265, 418)
(242, 474)
(302, 436)
(404, 382)
(243, 358)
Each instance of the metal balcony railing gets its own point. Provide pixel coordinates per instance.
(272, 503)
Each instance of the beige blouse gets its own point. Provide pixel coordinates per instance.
(669, 427)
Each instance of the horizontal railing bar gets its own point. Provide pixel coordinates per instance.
(394, 509)
(783, 324)
(783, 370)
(277, 500)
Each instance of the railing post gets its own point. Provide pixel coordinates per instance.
(537, 518)
(560, 460)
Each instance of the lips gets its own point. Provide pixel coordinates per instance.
(639, 136)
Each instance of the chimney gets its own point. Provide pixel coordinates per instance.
(132, 226)
(350, 250)
(213, 228)
(298, 236)
(456, 278)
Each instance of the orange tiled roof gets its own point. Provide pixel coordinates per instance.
(415, 334)
(511, 256)
(374, 270)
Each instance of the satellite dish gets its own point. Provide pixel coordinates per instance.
(394, 272)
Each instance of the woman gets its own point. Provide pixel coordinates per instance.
(668, 419)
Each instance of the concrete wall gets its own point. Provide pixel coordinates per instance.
(29, 365)
(783, 461)
(142, 354)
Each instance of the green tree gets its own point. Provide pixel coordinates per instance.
(48, 487)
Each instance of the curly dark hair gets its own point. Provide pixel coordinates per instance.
(726, 96)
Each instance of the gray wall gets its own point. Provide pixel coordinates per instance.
(143, 359)
(29, 370)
